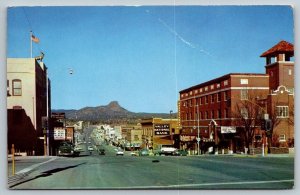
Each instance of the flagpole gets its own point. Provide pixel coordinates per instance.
(30, 44)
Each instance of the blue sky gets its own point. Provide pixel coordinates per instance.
(143, 56)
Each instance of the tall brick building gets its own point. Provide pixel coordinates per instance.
(207, 111)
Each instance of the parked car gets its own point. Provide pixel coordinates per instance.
(144, 152)
(119, 153)
(180, 153)
(67, 149)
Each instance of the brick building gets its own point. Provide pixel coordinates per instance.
(280, 101)
(208, 111)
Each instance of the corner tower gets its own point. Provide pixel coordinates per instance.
(279, 65)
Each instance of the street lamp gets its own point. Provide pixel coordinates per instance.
(198, 131)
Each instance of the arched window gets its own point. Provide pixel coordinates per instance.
(17, 87)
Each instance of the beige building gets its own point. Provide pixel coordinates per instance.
(27, 98)
(134, 136)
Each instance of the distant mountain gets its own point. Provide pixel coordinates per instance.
(112, 113)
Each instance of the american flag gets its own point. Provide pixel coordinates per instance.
(35, 39)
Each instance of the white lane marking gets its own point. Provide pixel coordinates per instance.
(35, 166)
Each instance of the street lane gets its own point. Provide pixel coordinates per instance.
(121, 172)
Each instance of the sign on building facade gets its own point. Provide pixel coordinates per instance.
(59, 134)
(161, 129)
(228, 129)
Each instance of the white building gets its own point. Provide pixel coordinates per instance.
(27, 98)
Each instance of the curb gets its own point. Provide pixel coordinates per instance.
(25, 172)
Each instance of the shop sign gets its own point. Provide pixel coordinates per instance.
(187, 138)
(58, 115)
(59, 134)
(161, 129)
(228, 129)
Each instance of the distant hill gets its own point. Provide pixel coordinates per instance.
(112, 113)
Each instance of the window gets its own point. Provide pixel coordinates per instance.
(290, 71)
(206, 99)
(218, 85)
(244, 94)
(17, 87)
(212, 98)
(244, 113)
(7, 83)
(282, 111)
(200, 116)
(282, 138)
(136, 138)
(206, 115)
(244, 81)
(201, 90)
(225, 95)
(226, 113)
(212, 87)
(219, 97)
(212, 114)
(225, 82)
(206, 88)
(201, 100)
(219, 114)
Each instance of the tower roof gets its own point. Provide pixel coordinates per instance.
(281, 47)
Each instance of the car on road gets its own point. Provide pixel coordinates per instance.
(90, 148)
(133, 153)
(119, 153)
(78, 148)
(67, 149)
(167, 151)
(180, 153)
(101, 151)
(144, 152)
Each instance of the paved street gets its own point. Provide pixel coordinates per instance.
(160, 172)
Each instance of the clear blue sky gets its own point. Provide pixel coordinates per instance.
(143, 56)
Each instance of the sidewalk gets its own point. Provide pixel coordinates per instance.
(24, 165)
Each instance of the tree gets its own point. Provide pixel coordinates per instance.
(248, 114)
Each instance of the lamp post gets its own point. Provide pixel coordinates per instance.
(198, 131)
